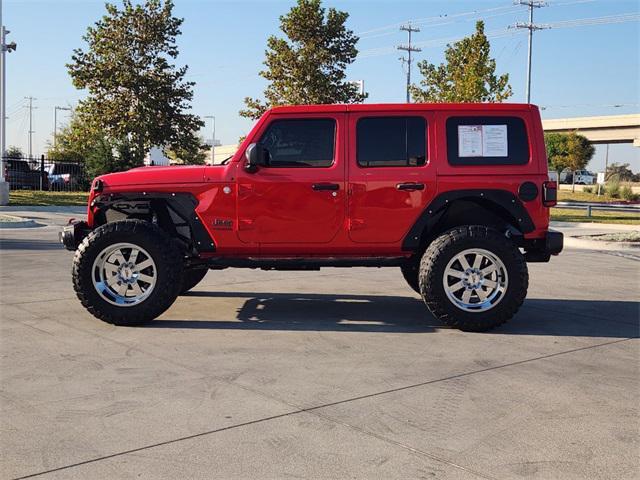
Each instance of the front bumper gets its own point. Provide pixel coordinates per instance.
(542, 249)
(73, 233)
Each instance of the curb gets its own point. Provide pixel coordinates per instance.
(594, 225)
(19, 223)
(66, 209)
(584, 244)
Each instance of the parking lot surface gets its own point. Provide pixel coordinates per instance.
(340, 373)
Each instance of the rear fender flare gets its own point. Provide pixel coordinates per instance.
(503, 202)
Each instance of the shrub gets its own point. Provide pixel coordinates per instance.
(627, 193)
(588, 190)
(613, 186)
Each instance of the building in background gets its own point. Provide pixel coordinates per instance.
(222, 152)
(155, 157)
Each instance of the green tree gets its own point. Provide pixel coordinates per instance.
(308, 66)
(194, 155)
(469, 74)
(568, 150)
(136, 96)
(101, 153)
(13, 152)
(623, 172)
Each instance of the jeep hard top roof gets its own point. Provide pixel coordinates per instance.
(366, 107)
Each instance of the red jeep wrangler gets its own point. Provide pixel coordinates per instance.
(455, 195)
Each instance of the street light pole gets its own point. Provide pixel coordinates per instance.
(55, 122)
(4, 48)
(213, 138)
(3, 102)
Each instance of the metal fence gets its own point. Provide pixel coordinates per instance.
(603, 207)
(44, 174)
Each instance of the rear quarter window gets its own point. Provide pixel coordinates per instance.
(487, 140)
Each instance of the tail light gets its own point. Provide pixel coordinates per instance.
(549, 194)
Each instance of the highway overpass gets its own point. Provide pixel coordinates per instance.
(605, 129)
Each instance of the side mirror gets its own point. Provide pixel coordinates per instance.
(257, 156)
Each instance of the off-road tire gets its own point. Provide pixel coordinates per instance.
(449, 244)
(411, 273)
(192, 277)
(165, 254)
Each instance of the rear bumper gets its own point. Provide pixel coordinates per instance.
(542, 249)
(554, 242)
(73, 233)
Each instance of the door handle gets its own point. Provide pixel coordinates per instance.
(410, 186)
(325, 186)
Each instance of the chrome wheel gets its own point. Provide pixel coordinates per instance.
(124, 274)
(475, 280)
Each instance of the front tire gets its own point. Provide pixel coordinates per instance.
(192, 277)
(125, 272)
(473, 278)
(411, 273)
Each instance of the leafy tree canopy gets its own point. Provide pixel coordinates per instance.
(80, 141)
(136, 96)
(13, 152)
(568, 150)
(468, 75)
(623, 172)
(308, 66)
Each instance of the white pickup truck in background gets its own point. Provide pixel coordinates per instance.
(582, 177)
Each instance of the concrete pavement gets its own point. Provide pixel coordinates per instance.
(333, 374)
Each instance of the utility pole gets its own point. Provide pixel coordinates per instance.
(31, 131)
(4, 48)
(55, 122)
(531, 27)
(408, 48)
(213, 138)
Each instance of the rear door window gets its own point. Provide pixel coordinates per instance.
(391, 141)
(484, 140)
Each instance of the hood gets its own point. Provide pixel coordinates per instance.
(155, 176)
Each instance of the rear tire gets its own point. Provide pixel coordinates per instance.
(473, 278)
(125, 272)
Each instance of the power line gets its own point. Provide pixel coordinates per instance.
(585, 22)
(409, 49)
(505, 10)
(375, 52)
(441, 24)
(611, 19)
(427, 20)
(591, 105)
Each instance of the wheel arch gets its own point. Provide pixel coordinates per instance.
(499, 209)
(172, 212)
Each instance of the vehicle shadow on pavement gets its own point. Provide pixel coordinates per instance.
(28, 244)
(383, 313)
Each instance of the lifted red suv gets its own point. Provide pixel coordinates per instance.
(455, 195)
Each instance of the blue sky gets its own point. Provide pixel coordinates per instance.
(576, 70)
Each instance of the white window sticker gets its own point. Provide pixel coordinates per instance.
(482, 141)
(494, 141)
(469, 140)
